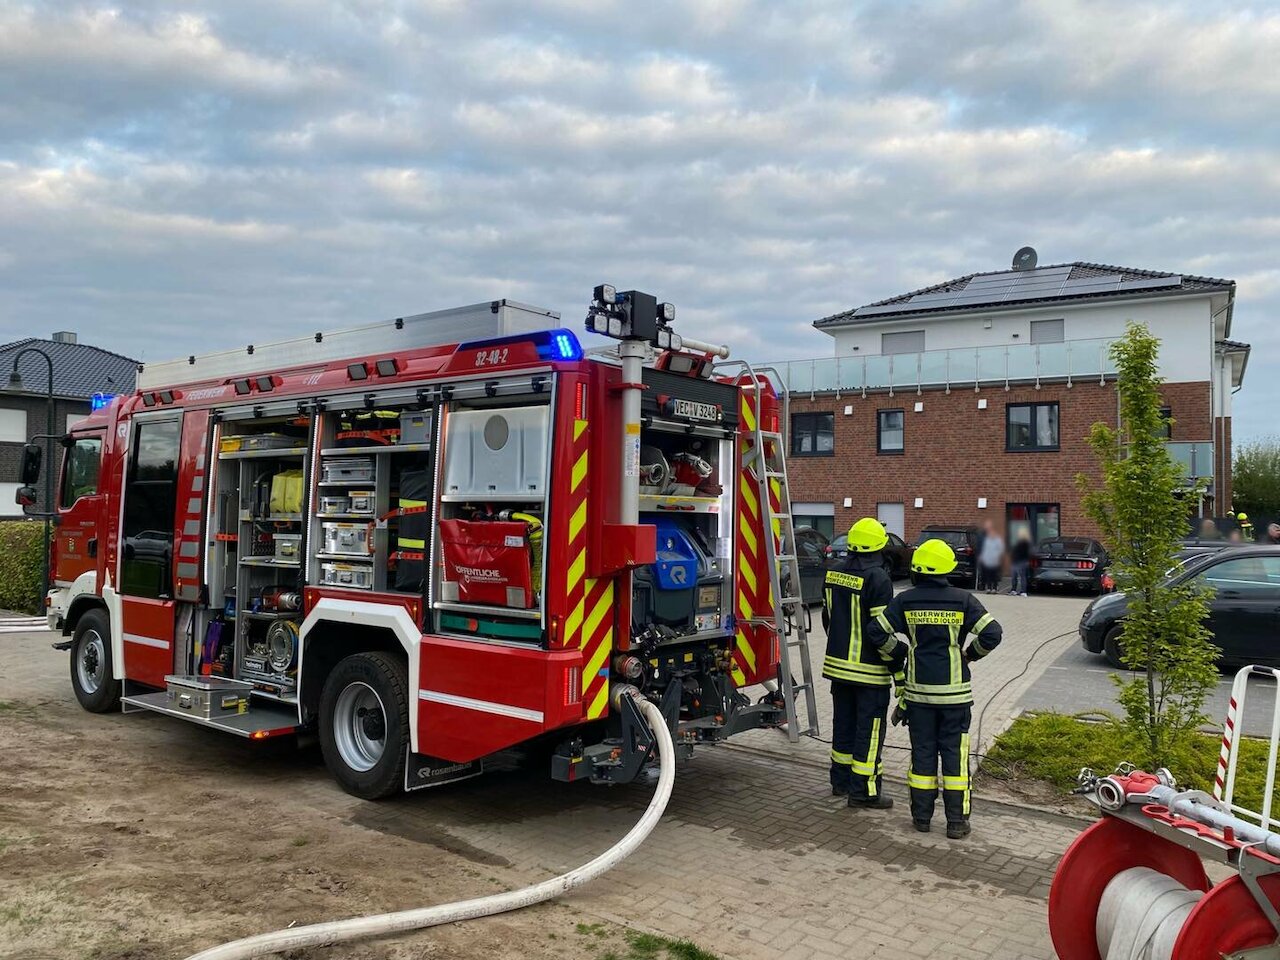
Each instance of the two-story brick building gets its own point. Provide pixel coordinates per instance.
(971, 400)
(79, 372)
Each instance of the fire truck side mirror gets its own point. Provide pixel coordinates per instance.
(25, 497)
(32, 454)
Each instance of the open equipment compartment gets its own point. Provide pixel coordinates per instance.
(372, 496)
(489, 554)
(687, 477)
(256, 568)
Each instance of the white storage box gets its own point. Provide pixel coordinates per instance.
(497, 452)
(354, 539)
(354, 575)
(332, 505)
(361, 501)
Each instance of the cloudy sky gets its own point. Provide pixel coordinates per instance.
(178, 176)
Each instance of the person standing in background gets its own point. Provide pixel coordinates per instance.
(1020, 563)
(1273, 533)
(990, 559)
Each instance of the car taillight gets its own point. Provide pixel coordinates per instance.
(1084, 564)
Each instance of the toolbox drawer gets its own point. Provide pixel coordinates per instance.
(355, 576)
(352, 539)
(348, 469)
(208, 697)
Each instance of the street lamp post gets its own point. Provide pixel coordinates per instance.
(15, 383)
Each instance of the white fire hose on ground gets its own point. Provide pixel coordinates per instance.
(339, 931)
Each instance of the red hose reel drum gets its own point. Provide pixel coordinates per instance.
(1227, 919)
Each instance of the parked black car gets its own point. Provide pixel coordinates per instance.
(964, 539)
(811, 552)
(1078, 563)
(897, 554)
(1243, 610)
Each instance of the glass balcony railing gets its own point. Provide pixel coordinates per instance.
(1021, 362)
(1196, 457)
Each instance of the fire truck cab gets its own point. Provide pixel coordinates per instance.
(431, 541)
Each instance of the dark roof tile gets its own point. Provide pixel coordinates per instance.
(79, 369)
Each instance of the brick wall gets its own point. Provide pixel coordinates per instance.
(955, 453)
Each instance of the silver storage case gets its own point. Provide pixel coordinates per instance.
(499, 452)
(208, 697)
(347, 469)
(271, 441)
(332, 505)
(353, 575)
(288, 546)
(352, 539)
(415, 426)
(360, 501)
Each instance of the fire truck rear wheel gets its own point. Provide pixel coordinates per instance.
(91, 668)
(364, 724)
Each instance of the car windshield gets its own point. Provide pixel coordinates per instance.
(1189, 563)
(1066, 546)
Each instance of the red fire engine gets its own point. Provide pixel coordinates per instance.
(429, 553)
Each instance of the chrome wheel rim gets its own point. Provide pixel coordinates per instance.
(360, 726)
(91, 664)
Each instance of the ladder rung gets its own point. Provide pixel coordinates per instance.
(774, 474)
(789, 600)
(784, 557)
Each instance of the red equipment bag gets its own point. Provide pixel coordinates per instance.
(487, 561)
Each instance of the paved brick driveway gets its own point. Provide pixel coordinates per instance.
(753, 860)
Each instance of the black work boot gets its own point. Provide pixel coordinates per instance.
(839, 791)
(878, 802)
(957, 829)
(921, 825)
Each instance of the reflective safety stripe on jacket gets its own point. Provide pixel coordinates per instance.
(853, 595)
(936, 618)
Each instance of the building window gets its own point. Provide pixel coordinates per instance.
(889, 431)
(907, 341)
(1037, 521)
(1031, 426)
(813, 434)
(1165, 430)
(819, 516)
(13, 426)
(1047, 331)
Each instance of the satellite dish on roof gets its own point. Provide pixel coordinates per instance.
(1025, 259)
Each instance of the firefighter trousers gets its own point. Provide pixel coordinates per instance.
(857, 738)
(939, 733)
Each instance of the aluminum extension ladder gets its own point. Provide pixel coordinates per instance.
(767, 460)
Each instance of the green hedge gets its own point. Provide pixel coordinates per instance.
(21, 565)
(1053, 747)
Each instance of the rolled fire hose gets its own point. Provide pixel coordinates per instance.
(340, 931)
(1140, 915)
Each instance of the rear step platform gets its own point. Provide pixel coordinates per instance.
(260, 721)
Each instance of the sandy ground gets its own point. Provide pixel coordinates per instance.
(157, 857)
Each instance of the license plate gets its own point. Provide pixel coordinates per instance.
(692, 410)
(1059, 564)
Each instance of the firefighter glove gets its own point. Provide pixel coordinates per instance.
(899, 714)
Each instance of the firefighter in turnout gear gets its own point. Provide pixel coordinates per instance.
(854, 594)
(938, 698)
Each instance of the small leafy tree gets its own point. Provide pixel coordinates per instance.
(1255, 478)
(1141, 511)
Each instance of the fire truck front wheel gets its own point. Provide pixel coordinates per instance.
(364, 724)
(96, 689)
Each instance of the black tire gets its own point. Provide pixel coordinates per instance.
(1113, 649)
(363, 749)
(91, 665)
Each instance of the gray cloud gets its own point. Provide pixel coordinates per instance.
(176, 177)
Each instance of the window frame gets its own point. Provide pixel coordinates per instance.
(880, 448)
(1166, 422)
(902, 333)
(812, 417)
(1039, 324)
(1034, 407)
(25, 428)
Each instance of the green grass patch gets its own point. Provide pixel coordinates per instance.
(643, 946)
(1053, 747)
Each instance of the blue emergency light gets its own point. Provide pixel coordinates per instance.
(551, 344)
(100, 401)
